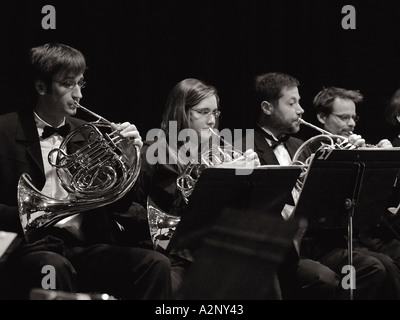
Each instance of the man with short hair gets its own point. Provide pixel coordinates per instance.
(81, 248)
(336, 112)
(278, 100)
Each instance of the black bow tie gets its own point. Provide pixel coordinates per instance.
(275, 143)
(62, 131)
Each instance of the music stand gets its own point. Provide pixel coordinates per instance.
(343, 188)
(235, 225)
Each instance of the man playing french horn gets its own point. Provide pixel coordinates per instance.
(279, 117)
(80, 246)
(336, 112)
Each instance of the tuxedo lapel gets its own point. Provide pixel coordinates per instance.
(27, 134)
(265, 152)
(291, 147)
(76, 139)
(263, 149)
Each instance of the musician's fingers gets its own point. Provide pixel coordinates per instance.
(250, 155)
(384, 143)
(357, 140)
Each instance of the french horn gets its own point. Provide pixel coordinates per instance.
(101, 172)
(161, 224)
(325, 139)
(217, 151)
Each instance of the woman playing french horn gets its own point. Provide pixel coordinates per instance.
(80, 249)
(192, 109)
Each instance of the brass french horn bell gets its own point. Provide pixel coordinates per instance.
(161, 224)
(101, 172)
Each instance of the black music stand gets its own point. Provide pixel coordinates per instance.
(346, 188)
(234, 225)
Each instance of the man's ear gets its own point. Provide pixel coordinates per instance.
(41, 87)
(321, 117)
(266, 107)
(398, 118)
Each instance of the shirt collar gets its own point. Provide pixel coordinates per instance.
(269, 133)
(40, 123)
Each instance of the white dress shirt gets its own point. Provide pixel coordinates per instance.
(284, 159)
(52, 187)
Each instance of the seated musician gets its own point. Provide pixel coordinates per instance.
(277, 99)
(80, 249)
(336, 112)
(393, 116)
(191, 107)
(387, 236)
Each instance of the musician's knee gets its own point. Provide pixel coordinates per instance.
(313, 273)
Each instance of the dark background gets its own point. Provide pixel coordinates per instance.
(138, 50)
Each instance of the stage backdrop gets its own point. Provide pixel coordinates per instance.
(138, 50)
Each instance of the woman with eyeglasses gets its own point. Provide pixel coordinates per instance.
(192, 110)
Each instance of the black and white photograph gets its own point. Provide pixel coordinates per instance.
(199, 155)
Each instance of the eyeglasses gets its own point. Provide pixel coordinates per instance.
(346, 117)
(207, 112)
(69, 84)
